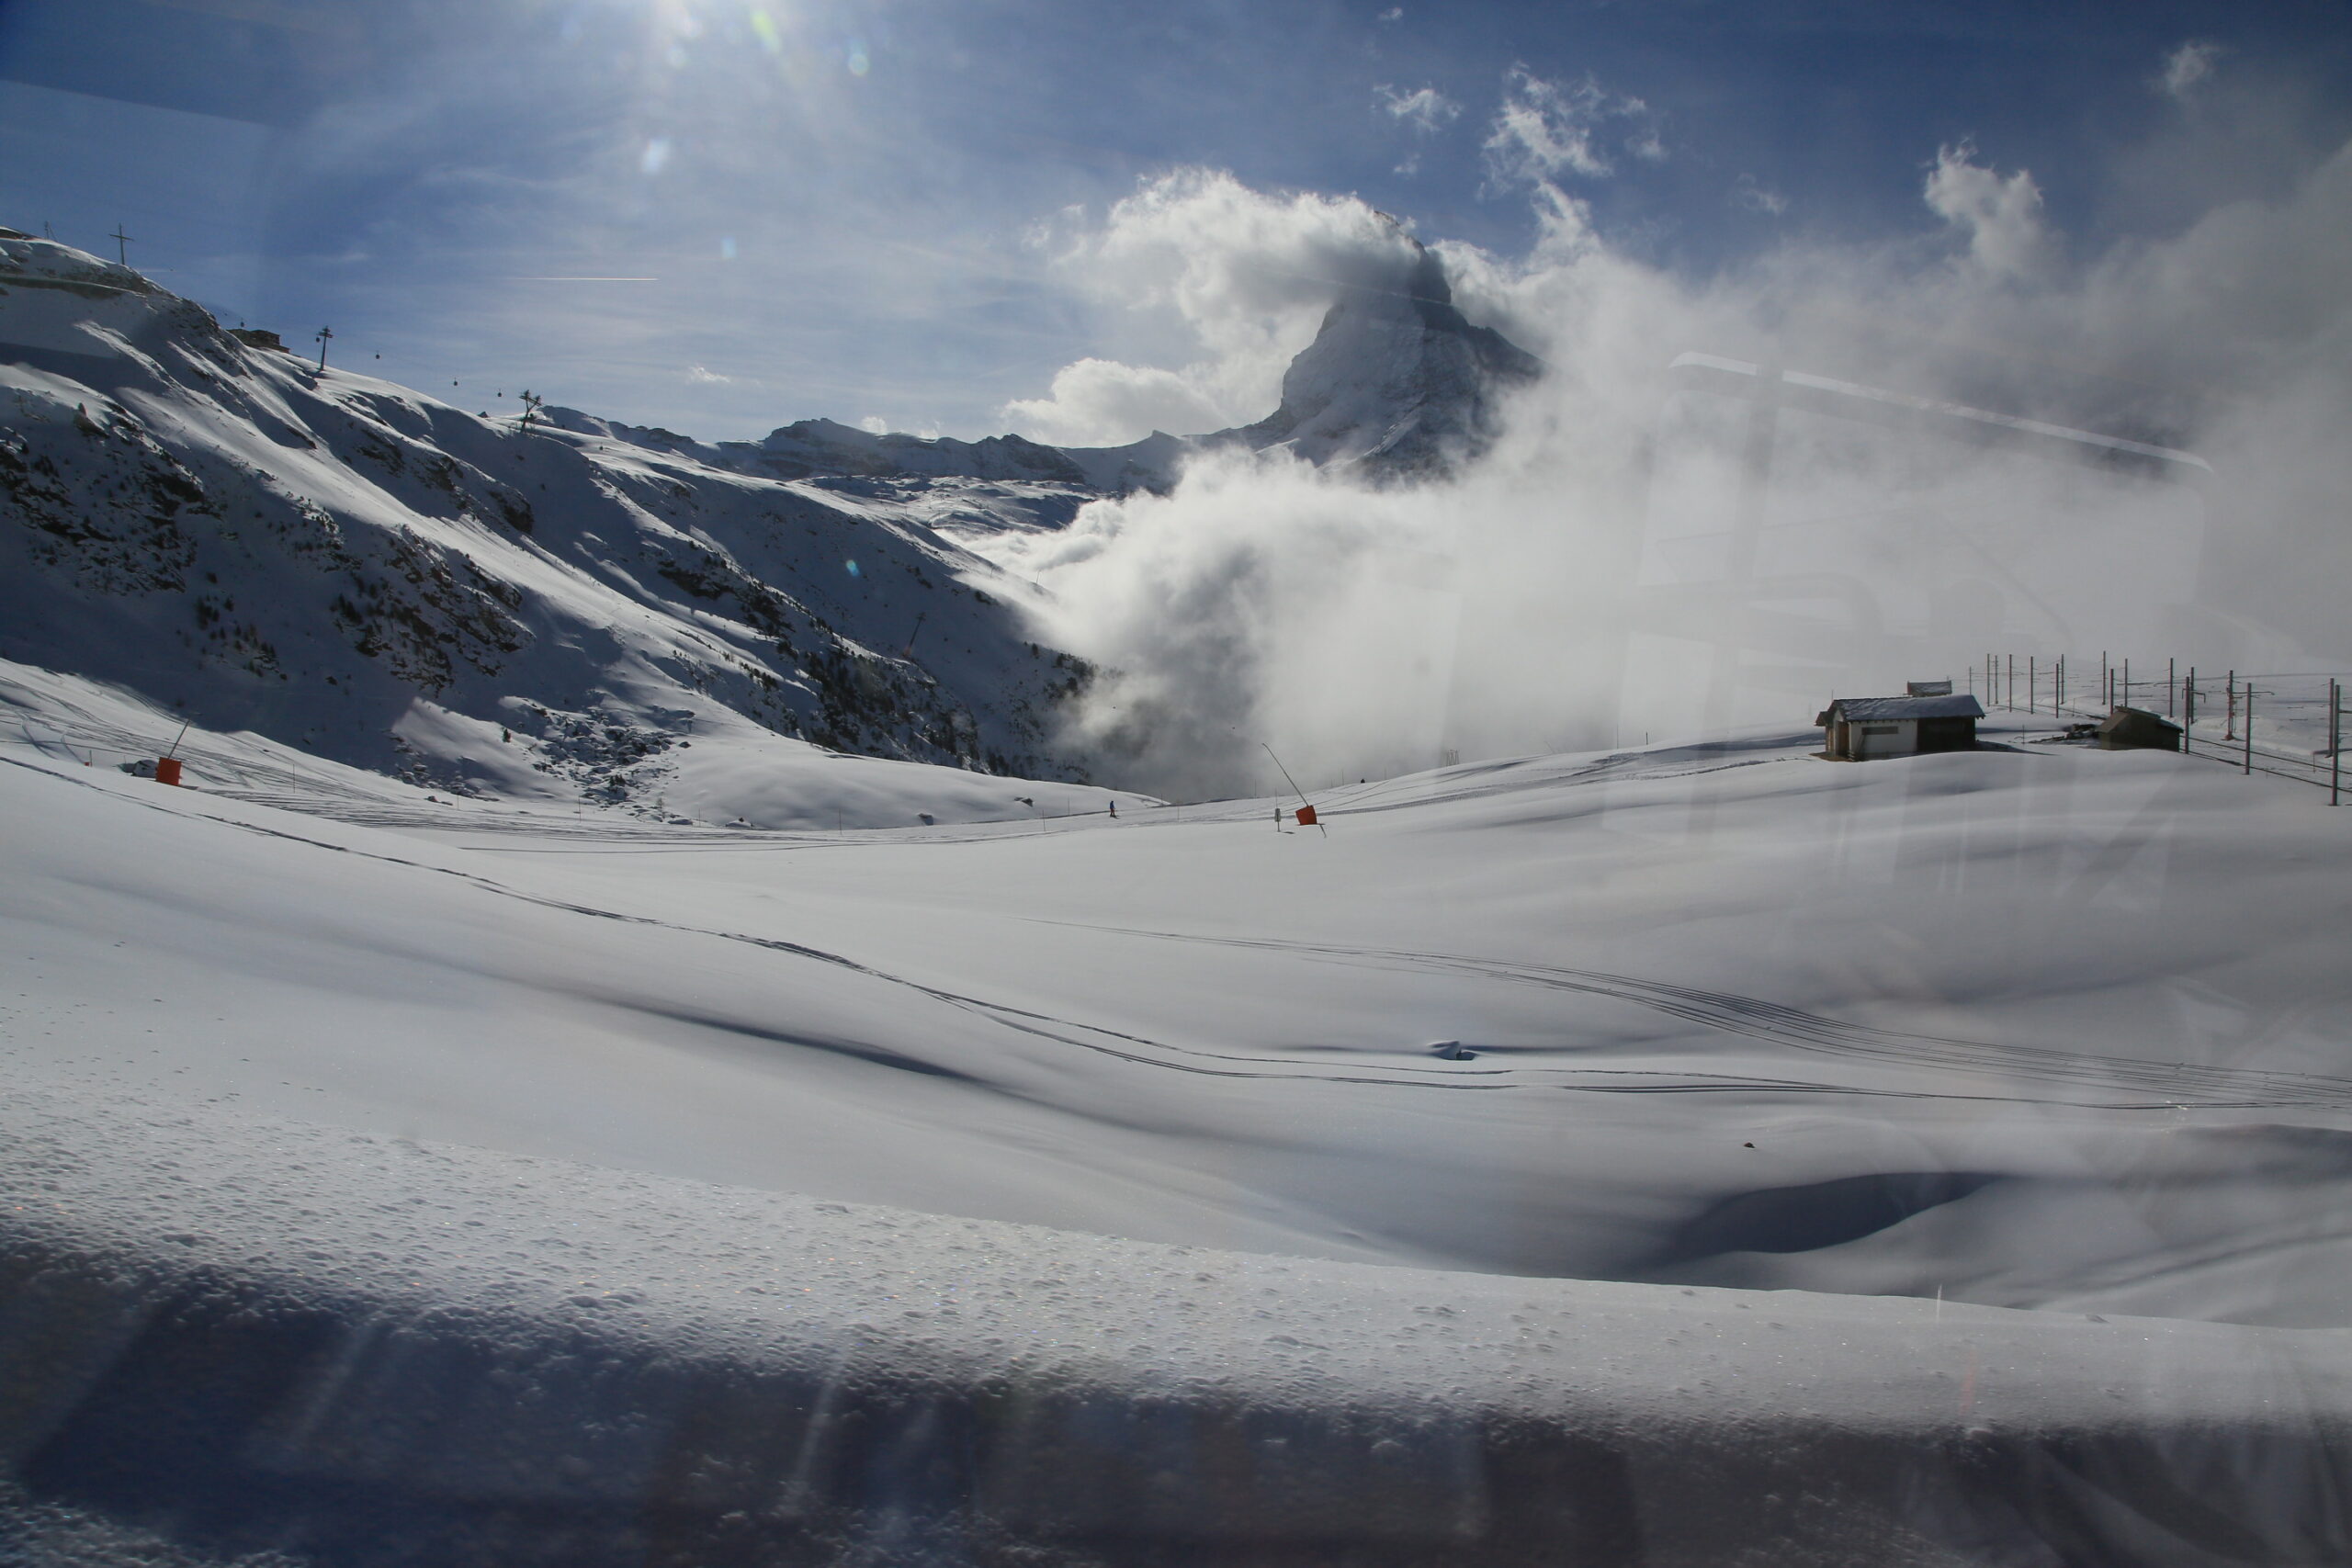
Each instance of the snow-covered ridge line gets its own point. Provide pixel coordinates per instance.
(482, 605)
(240, 1332)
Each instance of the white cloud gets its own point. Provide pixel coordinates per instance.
(1747, 194)
(703, 376)
(1241, 278)
(875, 424)
(1545, 130)
(1394, 13)
(2187, 65)
(1425, 109)
(1361, 630)
(1101, 402)
(1999, 215)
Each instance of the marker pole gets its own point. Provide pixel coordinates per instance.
(1296, 790)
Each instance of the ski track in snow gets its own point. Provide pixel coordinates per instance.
(2169, 1084)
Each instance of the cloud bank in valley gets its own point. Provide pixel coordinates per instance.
(1621, 562)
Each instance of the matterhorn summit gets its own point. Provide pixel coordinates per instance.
(1398, 382)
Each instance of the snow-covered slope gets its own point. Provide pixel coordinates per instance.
(1748, 1052)
(291, 1239)
(359, 572)
(424, 1354)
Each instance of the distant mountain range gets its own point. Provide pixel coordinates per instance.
(372, 575)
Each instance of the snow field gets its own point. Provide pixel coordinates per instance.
(392, 1179)
(245, 1333)
(1703, 999)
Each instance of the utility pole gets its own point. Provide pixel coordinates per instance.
(121, 245)
(2229, 725)
(324, 333)
(2127, 682)
(2335, 742)
(2013, 683)
(2172, 668)
(2249, 729)
(2188, 710)
(2106, 682)
(2029, 682)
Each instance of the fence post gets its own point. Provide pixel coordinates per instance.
(2335, 742)
(2249, 729)
(2229, 725)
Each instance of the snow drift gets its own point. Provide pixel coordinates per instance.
(431, 1354)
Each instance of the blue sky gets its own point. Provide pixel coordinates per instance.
(854, 210)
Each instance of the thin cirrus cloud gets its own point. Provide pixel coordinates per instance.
(1545, 130)
(2185, 67)
(1424, 109)
(1751, 196)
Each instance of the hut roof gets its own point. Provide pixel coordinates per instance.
(1879, 710)
(2137, 721)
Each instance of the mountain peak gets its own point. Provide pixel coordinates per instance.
(1398, 379)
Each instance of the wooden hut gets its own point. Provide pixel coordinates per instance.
(2137, 730)
(1866, 729)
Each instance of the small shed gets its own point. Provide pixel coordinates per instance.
(2137, 730)
(1865, 728)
